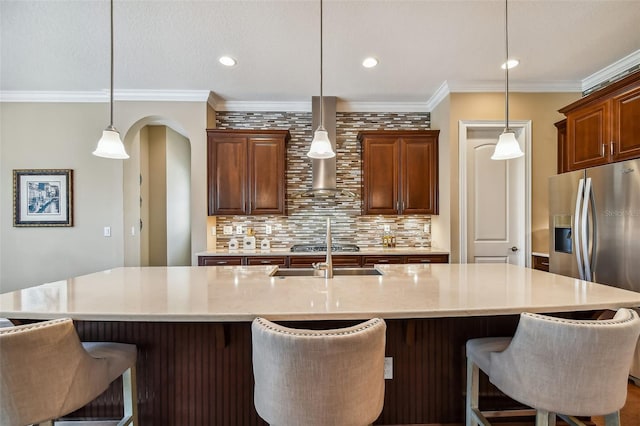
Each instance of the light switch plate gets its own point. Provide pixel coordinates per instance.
(239, 229)
(106, 231)
(387, 228)
(228, 230)
(425, 228)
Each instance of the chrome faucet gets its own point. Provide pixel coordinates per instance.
(327, 266)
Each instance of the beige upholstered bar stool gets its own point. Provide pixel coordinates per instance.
(319, 377)
(558, 366)
(46, 372)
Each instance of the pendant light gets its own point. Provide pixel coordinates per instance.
(507, 146)
(321, 145)
(110, 145)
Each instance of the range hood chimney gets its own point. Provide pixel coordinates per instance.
(324, 170)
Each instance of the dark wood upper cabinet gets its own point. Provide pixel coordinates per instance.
(626, 125)
(603, 127)
(246, 171)
(399, 172)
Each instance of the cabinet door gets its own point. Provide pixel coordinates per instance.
(268, 260)
(227, 169)
(419, 175)
(219, 260)
(626, 126)
(428, 258)
(369, 261)
(380, 176)
(588, 132)
(266, 176)
(340, 261)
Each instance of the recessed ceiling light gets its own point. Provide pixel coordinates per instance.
(370, 62)
(227, 61)
(511, 63)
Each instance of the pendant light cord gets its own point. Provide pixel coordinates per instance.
(111, 87)
(506, 64)
(321, 101)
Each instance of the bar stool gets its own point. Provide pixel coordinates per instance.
(318, 377)
(557, 366)
(46, 372)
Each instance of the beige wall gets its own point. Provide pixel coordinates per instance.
(178, 226)
(63, 135)
(541, 109)
(157, 178)
(59, 135)
(441, 224)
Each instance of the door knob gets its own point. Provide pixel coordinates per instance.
(514, 249)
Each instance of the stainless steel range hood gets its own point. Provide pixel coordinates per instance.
(324, 170)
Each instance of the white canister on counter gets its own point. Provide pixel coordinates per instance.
(233, 244)
(249, 243)
(265, 244)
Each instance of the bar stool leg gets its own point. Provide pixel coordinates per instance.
(612, 419)
(130, 398)
(472, 392)
(542, 418)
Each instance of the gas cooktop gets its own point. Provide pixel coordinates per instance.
(323, 247)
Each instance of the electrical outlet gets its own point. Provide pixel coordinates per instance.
(387, 228)
(425, 227)
(106, 231)
(228, 230)
(213, 231)
(239, 229)
(388, 367)
(268, 229)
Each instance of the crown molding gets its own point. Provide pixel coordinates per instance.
(441, 92)
(611, 71)
(51, 96)
(103, 96)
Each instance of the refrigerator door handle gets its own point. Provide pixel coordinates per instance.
(583, 229)
(576, 233)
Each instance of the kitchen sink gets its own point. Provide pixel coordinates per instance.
(309, 272)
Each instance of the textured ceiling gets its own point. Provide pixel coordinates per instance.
(174, 46)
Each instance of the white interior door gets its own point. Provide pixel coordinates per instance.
(495, 195)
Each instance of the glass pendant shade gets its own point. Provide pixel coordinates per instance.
(507, 147)
(110, 145)
(320, 145)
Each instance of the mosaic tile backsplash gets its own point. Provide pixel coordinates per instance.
(306, 217)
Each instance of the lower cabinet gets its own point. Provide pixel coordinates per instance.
(220, 260)
(540, 262)
(266, 260)
(339, 261)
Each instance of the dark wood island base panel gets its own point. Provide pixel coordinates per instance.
(193, 374)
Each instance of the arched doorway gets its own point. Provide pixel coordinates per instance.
(157, 194)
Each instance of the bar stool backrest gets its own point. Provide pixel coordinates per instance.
(573, 367)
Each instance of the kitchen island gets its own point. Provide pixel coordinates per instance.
(192, 327)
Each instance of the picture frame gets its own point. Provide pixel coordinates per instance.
(43, 197)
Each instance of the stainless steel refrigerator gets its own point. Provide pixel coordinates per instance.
(594, 221)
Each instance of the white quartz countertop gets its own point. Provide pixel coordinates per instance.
(240, 293)
(397, 251)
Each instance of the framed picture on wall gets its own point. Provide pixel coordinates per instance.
(43, 197)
